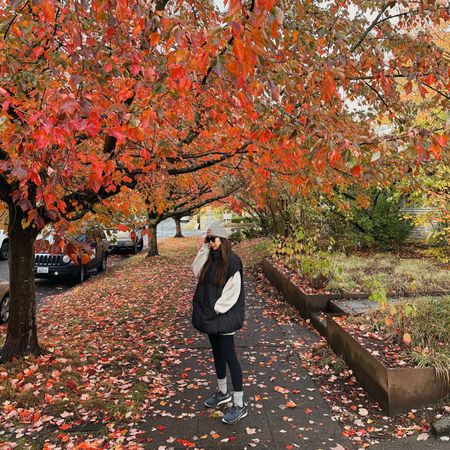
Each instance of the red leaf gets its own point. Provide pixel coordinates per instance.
(441, 140)
(356, 171)
(329, 86)
(334, 157)
(37, 51)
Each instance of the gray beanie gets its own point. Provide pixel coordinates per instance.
(217, 229)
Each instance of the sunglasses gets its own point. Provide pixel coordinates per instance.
(210, 238)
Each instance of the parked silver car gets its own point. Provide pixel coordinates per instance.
(4, 301)
(129, 241)
(4, 245)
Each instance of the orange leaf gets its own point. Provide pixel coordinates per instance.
(329, 86)
(291, 404)
(239, 50)
(154, 39)
(334, 156)
(280, 389)
(49, 12)
(441, 140)
(85, 258)
(407, 338)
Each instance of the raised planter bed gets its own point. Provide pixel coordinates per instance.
(310, 302)
(396, 389)
(305, 303)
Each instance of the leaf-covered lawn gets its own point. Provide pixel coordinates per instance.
(106, 343)
(111, 353)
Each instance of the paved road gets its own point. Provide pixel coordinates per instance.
(167, 227)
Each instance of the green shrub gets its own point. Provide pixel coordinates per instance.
(318, 269)
(384, 225)
(380, 225)
(301, 254)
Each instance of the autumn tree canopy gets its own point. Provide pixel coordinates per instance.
(105, 93)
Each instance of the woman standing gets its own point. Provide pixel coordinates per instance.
(218, 311)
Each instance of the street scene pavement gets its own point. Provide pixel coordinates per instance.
(273, 376)
(45, 288)
(287, 409)
(135, 373)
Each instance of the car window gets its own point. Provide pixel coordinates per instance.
(48, 236)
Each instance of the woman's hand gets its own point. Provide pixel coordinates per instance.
(202, 239)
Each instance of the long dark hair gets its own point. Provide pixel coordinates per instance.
(221, 273)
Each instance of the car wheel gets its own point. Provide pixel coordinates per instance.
(4, 250)
(135, 248)
(80, 274)
(104, 263)
(4, 309)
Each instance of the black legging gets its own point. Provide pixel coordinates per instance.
(225, 353)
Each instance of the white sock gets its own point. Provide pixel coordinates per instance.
(222, 382)
(238, 398)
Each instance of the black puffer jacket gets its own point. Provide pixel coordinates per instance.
(204, 318)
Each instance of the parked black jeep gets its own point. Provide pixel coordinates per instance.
(92, 244)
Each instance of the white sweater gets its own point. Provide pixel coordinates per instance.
(231, 290)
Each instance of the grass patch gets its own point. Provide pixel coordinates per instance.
(399, 275)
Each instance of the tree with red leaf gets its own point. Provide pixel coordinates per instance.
(90, 99)
(110, 93)
(183, 195)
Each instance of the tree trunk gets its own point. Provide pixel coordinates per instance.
(278, 221)
(21, 338)
(178, 233)
(152, 240)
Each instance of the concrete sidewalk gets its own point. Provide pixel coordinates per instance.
(273, 375)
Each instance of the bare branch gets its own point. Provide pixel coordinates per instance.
(372, 25)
